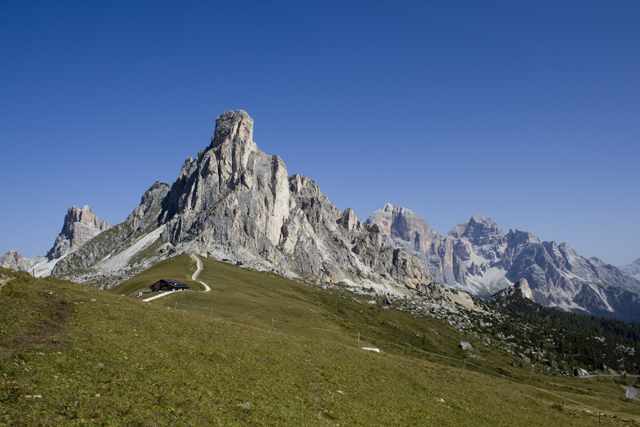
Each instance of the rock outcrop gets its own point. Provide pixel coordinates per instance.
(123, 250)
(479, 258)
(521, 288)
(80, 226)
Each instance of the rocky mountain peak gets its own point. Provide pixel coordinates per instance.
(480, 228)
(237, 203)
(520, 237)
(235, 127)
(398, 222)
(632, 269)
(151, 200)
(14, 260)
(80, 225)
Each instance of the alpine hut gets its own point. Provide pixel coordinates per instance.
(168, 285)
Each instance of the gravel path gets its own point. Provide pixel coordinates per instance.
(195, 275)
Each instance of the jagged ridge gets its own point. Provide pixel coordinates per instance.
(478, 257)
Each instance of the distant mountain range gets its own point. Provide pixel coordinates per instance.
(235, 203)
(479, 258)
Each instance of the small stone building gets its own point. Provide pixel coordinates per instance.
(168, 285)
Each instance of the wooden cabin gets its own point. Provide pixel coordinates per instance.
(168, 285)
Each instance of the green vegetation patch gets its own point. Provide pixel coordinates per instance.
(72, 355)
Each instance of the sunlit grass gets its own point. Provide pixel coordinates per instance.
(98, 358)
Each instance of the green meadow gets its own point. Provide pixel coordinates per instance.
(72, 355)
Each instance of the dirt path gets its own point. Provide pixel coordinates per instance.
(195, 275)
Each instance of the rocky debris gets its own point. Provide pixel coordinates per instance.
(13, 260)
(523, 357)
(465, 345)
(632, 269)
(80, 226)
(479, 258)
(521, 287)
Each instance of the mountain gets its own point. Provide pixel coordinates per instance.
(80, 226)
(235, 203)
(14, 260)
(479, 258)
(632, 269)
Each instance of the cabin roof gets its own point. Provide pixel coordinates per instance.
(171, 282)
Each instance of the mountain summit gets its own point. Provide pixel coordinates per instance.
(80, 226)
(237, 204)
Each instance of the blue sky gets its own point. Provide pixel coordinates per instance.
(524, 112)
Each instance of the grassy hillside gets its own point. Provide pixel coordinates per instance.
(180, 268)
(73, 355)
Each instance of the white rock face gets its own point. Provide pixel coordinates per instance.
(479, 258)
(80, 226)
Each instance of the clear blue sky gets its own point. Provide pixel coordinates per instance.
(524, 112)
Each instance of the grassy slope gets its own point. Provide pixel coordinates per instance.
(70, 343)
(180, 268)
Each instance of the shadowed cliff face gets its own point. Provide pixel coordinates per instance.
(478, 257)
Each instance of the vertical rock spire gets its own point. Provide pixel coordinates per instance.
(80, 226)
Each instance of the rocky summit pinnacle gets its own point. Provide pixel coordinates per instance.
(234, 127)
(80, 226)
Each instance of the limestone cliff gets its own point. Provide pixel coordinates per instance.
(80, 226)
